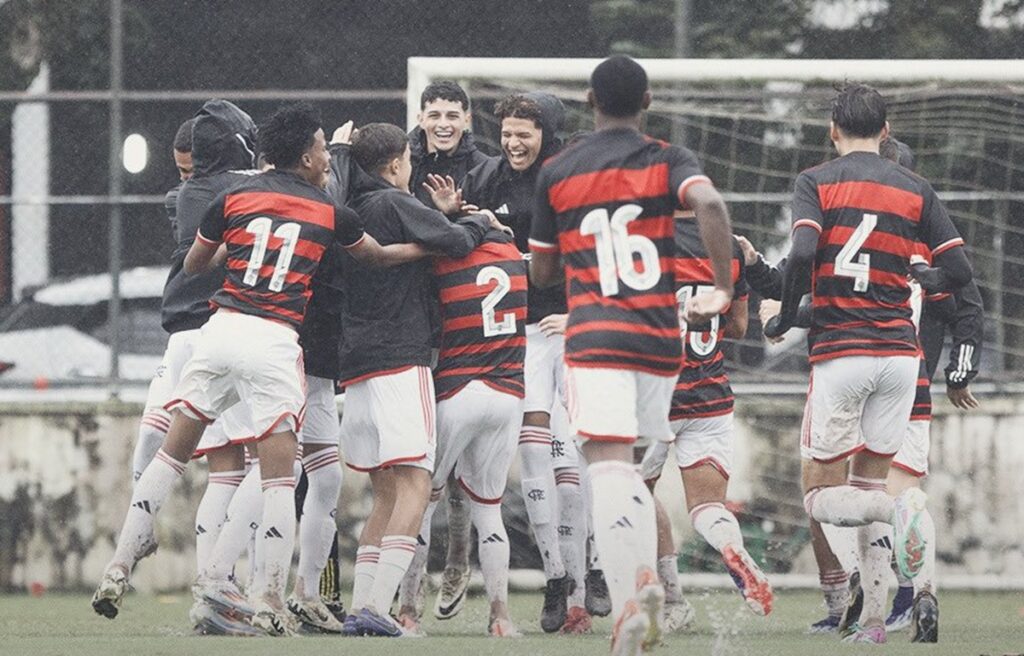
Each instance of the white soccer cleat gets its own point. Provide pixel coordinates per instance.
(106, 601)
(503, 628)
(650, 599)
(278, 623)
(630, 630)
(910, 544)
(225, 597)
(314, 614)
(678, 616)
(454, 583)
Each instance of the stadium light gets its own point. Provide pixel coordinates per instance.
(135, 153)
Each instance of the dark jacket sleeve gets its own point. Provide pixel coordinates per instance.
(339, 184)
(430, 228)
(766, 279)
(967, 328)
(796, 281)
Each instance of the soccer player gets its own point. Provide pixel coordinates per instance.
(606, 205)
(856, 219)
(702, 419)
(530, 124)
(272, 230)
(388, 426)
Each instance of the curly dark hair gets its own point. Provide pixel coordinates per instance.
(858, 110)
(444, 90)
(288, 134)
(519, 106)
(619, 84)
(183, 137)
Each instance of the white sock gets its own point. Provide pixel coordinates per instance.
(856, 504)
(152, 431)
(493, 549)
(396, 553)
(409, 588)
(151, 490)
(539, 496)
(316, 530)
(572, 531)
(668, 574)
(717, 526)
(212, 510)
(277, 534)
(843, 542)
(925, 579)
(835, 587)
(619, 509)
(364, 572)
(875, 546)
(593, 558)
(244, 514)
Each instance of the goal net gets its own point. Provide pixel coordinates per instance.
(754, 125)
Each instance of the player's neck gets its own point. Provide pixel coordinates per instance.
(847, 146)
(605, 122)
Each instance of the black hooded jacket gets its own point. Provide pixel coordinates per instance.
(223, 152)
(465, 157)
(494, 185)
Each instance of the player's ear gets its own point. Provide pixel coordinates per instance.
(833, 131)
(394, 165)
(591, 101)
(469, 120)
(884, 134)
(306, 160)
(646, 102)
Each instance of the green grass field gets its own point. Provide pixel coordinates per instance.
(971, 624)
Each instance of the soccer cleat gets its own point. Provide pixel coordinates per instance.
(337, 609)
(503, 628)
(874, 635)
(597, 601)
(207, 621)
(650, 598)
(454, 583)
(577, 622)
(225, 597)
(556, 592)
(750, 580)
(106, 601)
(410, 626)
(314, 615)
(910, 545)
(925, 618)
(851, 616)
(678, 616)
(368, 622)
(351, 626)
(828, 625)
(278, 623)
(902, 609)
(629, 631)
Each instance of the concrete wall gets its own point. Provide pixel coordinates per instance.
(65, 484)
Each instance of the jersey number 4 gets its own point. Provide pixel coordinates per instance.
(859, 270)
(492, 326)
(616, 249)
(288, 233)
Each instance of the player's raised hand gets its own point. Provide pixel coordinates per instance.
(749, 252)
(495, 223)
(705, 306)
(553, 324)
(444, 193)
(769, 308)
(344, 134)
(962, 398)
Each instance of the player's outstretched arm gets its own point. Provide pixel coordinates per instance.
(368, 251)
(716, 233)
(950, 271)
(795, 280)
(544, 268)
(205, 256)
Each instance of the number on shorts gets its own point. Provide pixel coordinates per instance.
(288, 233)
(493, 327)
(615, 249)
(701, 343)
(860, 270)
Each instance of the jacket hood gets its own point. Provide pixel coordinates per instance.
(552, 113)
(361, 182)
(906, 155)
(418, 145)
(223, 139)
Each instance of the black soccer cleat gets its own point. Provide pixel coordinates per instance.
(925, 618)
(597, 601)
(556, 592)
(851, 616)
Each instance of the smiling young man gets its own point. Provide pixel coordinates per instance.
(442, 143)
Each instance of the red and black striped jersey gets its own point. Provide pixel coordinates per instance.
(483, 313)
(276, 227)
(871, 214)
(606, 204)
(702, 389)
(922, 410)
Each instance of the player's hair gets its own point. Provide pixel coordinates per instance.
(288, 134)
(376, 144)
(858, 110)
(519, 106)
(183, 137)
(897, 151)
(619, 85)
(444, 90)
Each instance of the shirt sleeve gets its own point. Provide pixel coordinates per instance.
(740, 289)
(432, 229)
(937, 231)
(806, 205)
(214, 223)
(348, 227)
(543, 228)
(683, 171)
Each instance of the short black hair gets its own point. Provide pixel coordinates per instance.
(183, 137)
(444, 90)
(376, 144)
(619, 84)
(288, 134)
(897, 151)
(519, 106)
(858, 110)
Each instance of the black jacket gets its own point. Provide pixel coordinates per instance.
(465, 157)
(494, 185)
(223, 151)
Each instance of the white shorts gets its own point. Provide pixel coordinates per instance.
(231, 428)
(477, 432)
(699, 441)
(179, 350)
(321, 424)
(543, 371)
(858, 403)
(389, 420)
(913, 455)
(564, 448)
(242, 358)
(619, 405)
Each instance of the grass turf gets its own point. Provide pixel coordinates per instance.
(971, 624)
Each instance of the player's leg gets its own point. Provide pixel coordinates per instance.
(409, 592)
(226, 472)
(572, 523)
(155, 420)
(597, 602)
(832, 577)
(455, 576)
(382, 482)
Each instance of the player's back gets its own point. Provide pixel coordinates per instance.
(483, 312)
(871, 213)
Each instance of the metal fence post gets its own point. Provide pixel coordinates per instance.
(114, 305)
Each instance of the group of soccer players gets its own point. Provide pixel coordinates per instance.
(566, 301)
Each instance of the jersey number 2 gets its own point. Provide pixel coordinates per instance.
(860, 270)
(493, 327)
(288, 233)
(616, 247)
